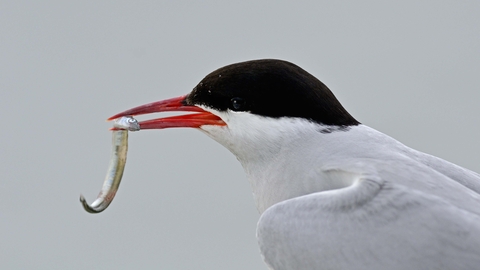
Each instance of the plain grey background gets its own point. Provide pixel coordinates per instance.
(409, 69)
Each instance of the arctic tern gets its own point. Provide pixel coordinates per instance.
(333, 193)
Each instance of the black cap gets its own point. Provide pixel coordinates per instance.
(271, 88)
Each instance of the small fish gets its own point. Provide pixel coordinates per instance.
(117, 164)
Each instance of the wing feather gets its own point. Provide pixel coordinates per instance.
(372, 224)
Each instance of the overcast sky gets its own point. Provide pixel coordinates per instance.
(409, 69)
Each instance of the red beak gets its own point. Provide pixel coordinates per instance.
(194, 120)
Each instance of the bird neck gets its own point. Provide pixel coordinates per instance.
(282, 157)
(289, 167)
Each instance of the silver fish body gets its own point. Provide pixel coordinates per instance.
(117, 165)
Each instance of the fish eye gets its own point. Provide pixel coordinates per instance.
(237, 104)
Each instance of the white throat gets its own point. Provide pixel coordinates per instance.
(279, 155)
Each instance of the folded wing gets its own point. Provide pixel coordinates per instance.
(372, 224)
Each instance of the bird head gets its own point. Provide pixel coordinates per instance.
(249, 105)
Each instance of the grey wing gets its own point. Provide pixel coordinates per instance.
(372, 224)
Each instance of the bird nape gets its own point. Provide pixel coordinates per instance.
(333, 193)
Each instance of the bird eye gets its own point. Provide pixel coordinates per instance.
(238, 104)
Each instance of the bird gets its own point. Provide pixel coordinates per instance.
(332, 193)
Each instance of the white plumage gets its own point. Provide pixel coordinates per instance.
(352, 198)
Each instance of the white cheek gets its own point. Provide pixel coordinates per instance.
(221, 134)
(236, 136)
(216, 132)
